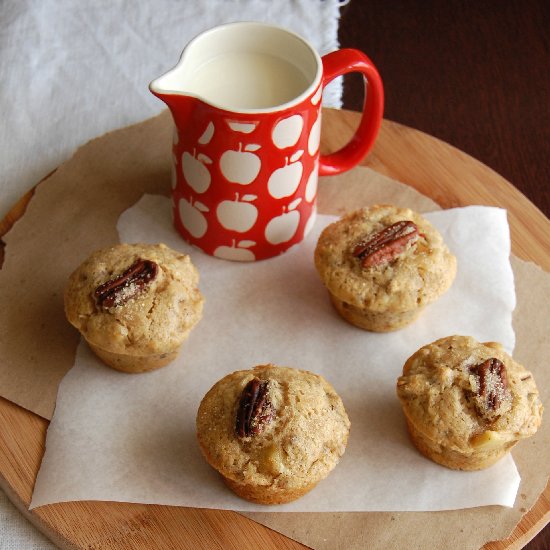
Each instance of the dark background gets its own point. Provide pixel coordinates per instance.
(475, 74)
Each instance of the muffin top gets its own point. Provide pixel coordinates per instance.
(273, 426)
(135, 299)
(464, 394)
(384, 258)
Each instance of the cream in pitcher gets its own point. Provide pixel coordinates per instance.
(246, 101)
(248, 80)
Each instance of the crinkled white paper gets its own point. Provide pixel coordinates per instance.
(132, 437)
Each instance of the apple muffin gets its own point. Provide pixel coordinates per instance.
(467, 403)
(134, 304)
(382, 265)
(272, 432)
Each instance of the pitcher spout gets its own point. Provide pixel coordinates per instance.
(180, 105)
(170, 89)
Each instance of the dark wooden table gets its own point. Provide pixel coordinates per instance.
(474, 74)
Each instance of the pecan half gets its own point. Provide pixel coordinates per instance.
(492, 383)
(126, 286)
(385, 245)
(255, 410)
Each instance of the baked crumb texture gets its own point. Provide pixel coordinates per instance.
(303, 438)
(390, 295)
(145, 331)
(467, 403)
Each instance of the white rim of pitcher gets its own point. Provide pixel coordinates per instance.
(310, 90)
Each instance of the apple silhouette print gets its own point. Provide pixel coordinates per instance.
(238, 215)
(207, 134)
(317, 96)
(241, 166)
(239, 252)
(287, 132)
(311, 185)
(192, 217)
(195, 172)
(284, 181)
(314, 137)
(242, 127)
(282, 228)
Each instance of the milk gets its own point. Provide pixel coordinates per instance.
(247, 80)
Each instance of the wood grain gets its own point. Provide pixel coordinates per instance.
(432, 167)
(474, 74)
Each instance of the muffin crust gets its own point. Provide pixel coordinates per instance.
(146, 329)
(301, 442)
(397, 289)
(462, 410)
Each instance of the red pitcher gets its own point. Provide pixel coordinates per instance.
(246, 102)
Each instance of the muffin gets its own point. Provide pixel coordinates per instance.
(466, 403)
(272, 432)
(134, 304)
(382, 265)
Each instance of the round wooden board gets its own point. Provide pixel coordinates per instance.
(434, 168)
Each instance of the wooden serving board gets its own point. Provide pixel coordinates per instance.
(435, 169)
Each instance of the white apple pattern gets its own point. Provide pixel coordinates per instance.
(287, 131)
(195, 172)
(311, 185)
(238, 215)
(239, 252)
(317, 96)
(207, 134)
(282, 228)
(314, 137)
(284, 181)
(192, 217)
(242, 127)
(241, 166)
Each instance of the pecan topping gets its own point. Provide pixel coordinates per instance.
(132, 282)
(385, 245)
(492, 383)
(255, 410)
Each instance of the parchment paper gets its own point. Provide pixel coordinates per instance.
(464, 529)
(77, 208)
(134, 435)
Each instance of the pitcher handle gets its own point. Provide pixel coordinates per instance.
(338, 63)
